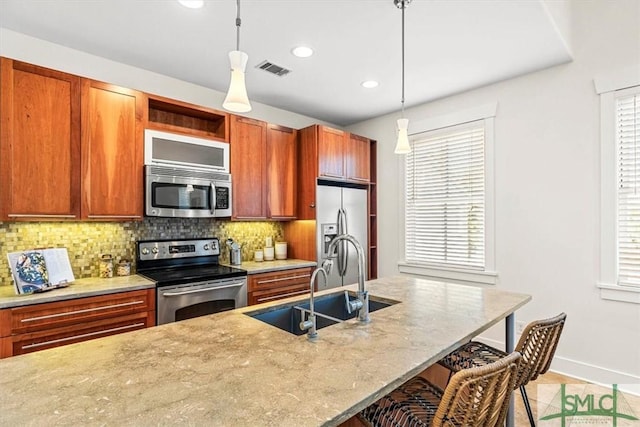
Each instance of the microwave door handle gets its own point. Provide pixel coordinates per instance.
(213, 198)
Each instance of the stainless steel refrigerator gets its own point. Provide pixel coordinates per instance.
(341, 210)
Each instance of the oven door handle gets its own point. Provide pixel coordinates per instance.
(197, 291)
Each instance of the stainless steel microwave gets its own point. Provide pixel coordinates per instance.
(186, 193)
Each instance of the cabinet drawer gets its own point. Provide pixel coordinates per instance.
(279, 279)
(267, 295)
(81, 310)
(40, 340)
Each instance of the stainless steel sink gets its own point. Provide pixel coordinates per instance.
(330, 309)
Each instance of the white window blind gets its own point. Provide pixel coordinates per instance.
(628, 145)
(445, 197)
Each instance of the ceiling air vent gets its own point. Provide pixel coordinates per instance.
(273, 68)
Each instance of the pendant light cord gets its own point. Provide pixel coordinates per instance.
(238, 22)
(402, 101)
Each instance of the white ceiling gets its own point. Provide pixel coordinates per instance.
(451, 46)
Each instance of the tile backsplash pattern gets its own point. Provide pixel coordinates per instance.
(86, 241)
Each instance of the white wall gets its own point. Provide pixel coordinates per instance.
(547, 191)
(40, 52)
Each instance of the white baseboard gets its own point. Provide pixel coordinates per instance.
(627, 383)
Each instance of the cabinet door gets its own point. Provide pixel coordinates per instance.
(357, 158)
(248, 171)
(40, 142)
(112, 145)
(281, 172)
(331, 148)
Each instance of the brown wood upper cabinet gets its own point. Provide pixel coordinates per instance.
(263, 170)
(281, 172)
(331, 149)
(112, 145)
(339, 155)
(39, 142)
(248, 168)
(328, 153)
(357, 158)
(70, 148)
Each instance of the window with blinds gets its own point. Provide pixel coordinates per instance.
(628, 168)
(445, 198)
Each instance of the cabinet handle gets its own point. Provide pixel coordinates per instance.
(39, 216)
(87, 335)
(332, 175)
(113, 216)
(280, 279)
(86, 310)
(290, 294)
(355, 178)
(250, 217)
(312, 205)
(197, 291)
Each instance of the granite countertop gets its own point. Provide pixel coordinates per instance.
(253, 267)
(229, 369)
(78, 289)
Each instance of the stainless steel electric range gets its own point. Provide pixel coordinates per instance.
(189, 280)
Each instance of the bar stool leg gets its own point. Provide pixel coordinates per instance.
(527, 405)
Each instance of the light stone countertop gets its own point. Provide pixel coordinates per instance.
(229, 369)
(253, 267)
(78, 289)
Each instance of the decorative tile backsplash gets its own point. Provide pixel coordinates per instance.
(86, 241)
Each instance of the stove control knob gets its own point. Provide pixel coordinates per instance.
(206, 247)
(214, 245)
(154, 250)
(145, 251)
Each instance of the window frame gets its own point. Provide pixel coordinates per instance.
(608, 283)
(488, 275)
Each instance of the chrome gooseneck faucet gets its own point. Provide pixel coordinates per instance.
(310, 324)
(362, 303)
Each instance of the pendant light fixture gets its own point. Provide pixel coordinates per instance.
(237, 100)
(402, 146)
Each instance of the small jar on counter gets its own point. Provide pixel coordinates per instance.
(106, 266)
(124, 267)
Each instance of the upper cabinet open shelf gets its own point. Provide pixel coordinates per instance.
(176, 116)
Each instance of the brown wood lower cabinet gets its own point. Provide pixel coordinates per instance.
(266, 287)
(40, 326)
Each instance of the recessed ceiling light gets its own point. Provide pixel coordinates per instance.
(302, 51)
(192, 4)
(369, 84)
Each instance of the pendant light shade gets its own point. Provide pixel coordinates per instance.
(237, 100)
(402, 146)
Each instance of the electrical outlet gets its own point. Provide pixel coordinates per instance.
(519, 327)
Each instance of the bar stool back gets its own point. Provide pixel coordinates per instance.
(474, 397)
(537, 344)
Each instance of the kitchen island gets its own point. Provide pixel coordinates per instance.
(229, 369)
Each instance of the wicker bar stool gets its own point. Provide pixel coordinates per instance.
(474, 397)
(537, 345)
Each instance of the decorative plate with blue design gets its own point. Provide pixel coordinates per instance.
(31, 268)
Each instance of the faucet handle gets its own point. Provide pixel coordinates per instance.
(352, 305)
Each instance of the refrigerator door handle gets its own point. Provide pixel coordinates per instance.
(343, 252)
(340, 247)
